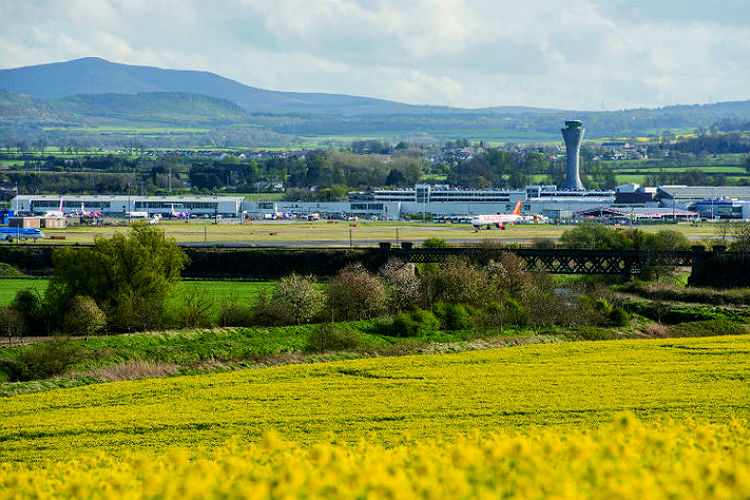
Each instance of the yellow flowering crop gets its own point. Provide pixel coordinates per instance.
(626, 459)
(578, 385)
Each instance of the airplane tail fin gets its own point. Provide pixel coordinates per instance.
(517, 210)
(60, 207)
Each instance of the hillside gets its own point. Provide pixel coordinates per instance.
(94, 93)
(180, 107)
(93, 75)
(24, 107)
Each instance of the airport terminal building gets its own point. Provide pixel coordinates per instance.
(440, 201)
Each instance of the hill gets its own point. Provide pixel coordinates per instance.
(94, 92)
(93, 75)
(180, 107)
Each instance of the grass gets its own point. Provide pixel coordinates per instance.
(576, 385)
(337, 233)
(243, 291)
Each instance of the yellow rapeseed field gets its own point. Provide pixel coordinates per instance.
(618, 419)
(626, 459)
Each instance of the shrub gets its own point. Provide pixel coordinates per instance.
(137, 314)
(454, 316)
(127, 275)
(300, 295)
(195, 310)
(710, 328)
(402, 284)
(83, 317)
(232, 313)
(459, 282)
(8, 271)
(355, 293)
(266, 312)
(414, 323)
(328, 337)
(510, 273)
(619, 317)
(11, 323)
(31, 307)
(44, 360)
(503, 314)
(590, 235)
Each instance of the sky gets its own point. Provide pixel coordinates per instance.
(582, 54)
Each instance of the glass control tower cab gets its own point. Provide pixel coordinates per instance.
(572, 134)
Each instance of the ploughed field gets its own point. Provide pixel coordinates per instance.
(615, 419)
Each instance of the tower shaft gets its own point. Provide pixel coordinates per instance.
(572, 134)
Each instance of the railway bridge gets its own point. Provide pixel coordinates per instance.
(562, 260)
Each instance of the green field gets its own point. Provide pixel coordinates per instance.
(243, 291)
(575, 385)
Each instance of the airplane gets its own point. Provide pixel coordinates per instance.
(277, 215)
(89, 214)
(179, 215)
(56, 213)
(498, 220)
(155, 219)
(20, 233)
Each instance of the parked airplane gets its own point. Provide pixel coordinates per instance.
(20, 233)
(498, 220)
(84, 213)
(179, 215)
(56, 213)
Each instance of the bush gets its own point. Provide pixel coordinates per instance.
(195, 310)
(354, 293)
(44, 360)
(619, 317)
(402, 284)
(709, 328)
(231, 313)
(83, 317)
(31, 307)
(11, 323)
(454, 316)
(328, 337)
(8, 271)
(266, 312)
(459, 282)
(127, 275)
(300, 295)
(414, 323)
(503, 314)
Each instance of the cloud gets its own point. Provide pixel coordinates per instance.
(470, 53)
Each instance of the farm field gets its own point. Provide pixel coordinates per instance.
(243, 291)
(623, 460)
(389, 401)
(265, 233)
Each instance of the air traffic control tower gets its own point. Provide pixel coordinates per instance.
(572, 133)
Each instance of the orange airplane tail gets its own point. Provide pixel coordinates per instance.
(517, 210)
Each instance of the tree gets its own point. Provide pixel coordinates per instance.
(593, 236)
(129, 277)
(299, 295)
(355, 293)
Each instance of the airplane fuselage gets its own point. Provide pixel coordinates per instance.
(20, 233)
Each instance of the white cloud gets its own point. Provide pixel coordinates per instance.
(470, 53)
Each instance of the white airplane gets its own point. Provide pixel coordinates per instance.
(20, 233)
(498, 220)
(56, 213)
